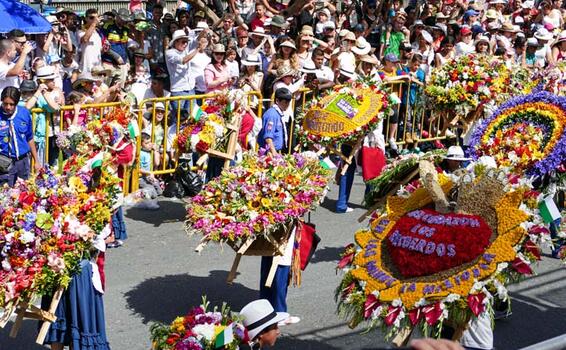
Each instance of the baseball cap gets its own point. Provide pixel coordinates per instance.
(465, 31)
(391, 57)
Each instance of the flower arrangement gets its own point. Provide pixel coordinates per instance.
(466, 82)
(343, 115)
(417, 267)
(200, 329)
(97, 133)
(526, 134)
(553, 78)
(256, 197)
(49, 223)
(208, 126)
(396, 172)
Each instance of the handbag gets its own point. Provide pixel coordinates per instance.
(192, 182)
(373, 162)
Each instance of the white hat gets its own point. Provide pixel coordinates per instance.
(258, 315)
(532, 42)
(308, 67)
(288, 43)
(52, 19)
(455, 153)
(259, 31)
(326, 12)
(493, 2)
(561, 38)
(519, 20)
(362, 47)
(46, 72)
(201, 26)
(348, 71)
(159, 105)
(426, 35)
(251, 60)
(178, 34)
(529, 4)
(543, 34)
(481, 38)
(328, 25)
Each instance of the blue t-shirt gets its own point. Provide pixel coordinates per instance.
(272, 128)
(145, 160)
(15, 133)
(414, 87)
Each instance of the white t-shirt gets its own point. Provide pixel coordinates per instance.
(479, 333)
(462, 49)
(5, 80)
(90, 51)
(325, 74)
(198, 64)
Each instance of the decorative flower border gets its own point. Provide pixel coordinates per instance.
(370, 292)
(357, 90)
(542, 107)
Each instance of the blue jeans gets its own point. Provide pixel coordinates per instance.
(346, 181)
(277, 294)
(558, 242)
(185, 105)
(119, 225)
(20, 170)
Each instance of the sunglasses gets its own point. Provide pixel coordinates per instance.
(92, 17)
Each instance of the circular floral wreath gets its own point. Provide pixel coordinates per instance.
(526, 134)
(406, 273)
(359, 91)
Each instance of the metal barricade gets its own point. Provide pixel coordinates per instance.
(173, 117)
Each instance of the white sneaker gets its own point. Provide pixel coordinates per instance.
(349, 210)
(392, 143)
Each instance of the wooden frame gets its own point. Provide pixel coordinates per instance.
(230, 150)
(26, 310)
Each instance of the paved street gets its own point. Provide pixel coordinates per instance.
(157, 276)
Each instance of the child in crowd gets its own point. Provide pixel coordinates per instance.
(233, 65)
(148, 183)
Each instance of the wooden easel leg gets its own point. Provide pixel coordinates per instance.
(21, 311)
(402, 338)
(7, 313)
(272, 271)
(234, 269)
(52, 307)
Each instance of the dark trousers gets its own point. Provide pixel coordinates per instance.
(119, 225)
(346, 182)
(277, 293)
(20, 170)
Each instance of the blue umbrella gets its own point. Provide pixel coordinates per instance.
(16, 15)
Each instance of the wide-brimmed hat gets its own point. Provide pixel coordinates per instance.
(99, 70)
(258, 315)
(202, 25)
(508, 27)
(288, 43)
(561, 38)
(52, 20)
(328, 25)
(46, 72)
(491, 14)
(369, 59)
(456, 153)
(278, 21)
(481, 38)
(251, 60)
(418, 22)
(325, 11)
(362, 47)
(426, 36)
(309, 67)
(441, 15)
(59, 10)
(532, 42)
(348, 71)
(218, 48)
(84, 77)
(307, 30)
(178, 34)
(124, 15)
(159, 106)
(285, 71)
(495, 2)
(527, 5)
(543, 34)
(350, 36)
(139, 16)
(259, 31)
(28, 85)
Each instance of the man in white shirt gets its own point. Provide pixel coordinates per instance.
(91, 42)
(9, 71)
(324, 74)
(178, 59)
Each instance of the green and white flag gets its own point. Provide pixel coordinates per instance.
(548, 210)
(133, 130)
(225, 337)
(94, 162)
(327, 164)
(197, 112)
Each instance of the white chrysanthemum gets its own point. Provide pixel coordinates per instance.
(205, 331)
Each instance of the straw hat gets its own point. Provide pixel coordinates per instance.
(543, 34)
(84, 77)
(258, 31)
(288, 43)
(309, 67)
(348, 71)
(362, 47)
(371, 59)
(99, 70)
(491, 14)
(561, 38)
(178, 34)
(258, 315)
(218, 48)
(307, 30)
(284, 71)
(508, 27)
(350, 36)
(482, 38)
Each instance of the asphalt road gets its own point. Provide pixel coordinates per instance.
(157, 275)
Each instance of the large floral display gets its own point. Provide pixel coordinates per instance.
(209, 125)
(428, 258)
(49, 223)
(257, 196)
(345, 115)
(463, 84)
(200, 329)
(526, 134)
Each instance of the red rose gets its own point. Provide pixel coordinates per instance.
(202, 147)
